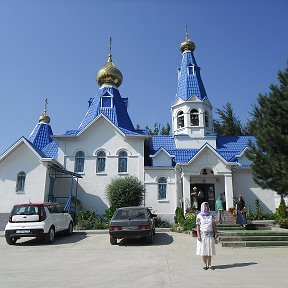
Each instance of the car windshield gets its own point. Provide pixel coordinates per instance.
(129, 214)
(25, 210)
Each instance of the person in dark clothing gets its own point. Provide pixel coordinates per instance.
(241, 212)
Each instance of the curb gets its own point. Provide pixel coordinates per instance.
(103, 231)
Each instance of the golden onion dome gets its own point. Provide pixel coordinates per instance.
(44, 118)
(109, 73)
(187, 44)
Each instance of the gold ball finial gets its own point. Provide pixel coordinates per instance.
(109, 73)
(187, 44)
(44, 118)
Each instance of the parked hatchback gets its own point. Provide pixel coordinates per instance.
(41, 220)
(132, 222)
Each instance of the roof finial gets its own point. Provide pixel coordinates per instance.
(186, 31)
(44, 118)
(187, 44)
(46, 104)
(110, 51)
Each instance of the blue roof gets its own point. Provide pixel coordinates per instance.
(117, 113)
(41, 135)
(190, 84)
(51, 150)
(227, 147)
(40, 139)
(159, 141)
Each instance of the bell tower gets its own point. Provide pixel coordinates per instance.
(192, 111)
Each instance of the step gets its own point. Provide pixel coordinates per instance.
(245, 232)
(253, 238)
(254, 244)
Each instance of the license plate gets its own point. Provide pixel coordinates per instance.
(22, 231)
(130, 228)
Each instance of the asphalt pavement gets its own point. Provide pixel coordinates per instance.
(86, 259)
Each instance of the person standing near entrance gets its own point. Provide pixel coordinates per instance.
(206, 233)
(194, 200)
(219, 209)
(241, 212)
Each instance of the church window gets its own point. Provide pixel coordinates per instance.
(21, 176)
(122, 161)
(162, 188)
(180, 119)
(106, 101)
(191, 69)
(79, 161)
(101, 160)
(194, 117)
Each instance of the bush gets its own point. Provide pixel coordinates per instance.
(179, 216)
(190, 221)
(88, 220)
(159, 223)
(187, 224)
(282, 209)
(126, 191)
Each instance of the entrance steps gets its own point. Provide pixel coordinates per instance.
(254, 235)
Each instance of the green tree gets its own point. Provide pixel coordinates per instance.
(126, 191)
(159, 129)
(269, 155)
(228, 124)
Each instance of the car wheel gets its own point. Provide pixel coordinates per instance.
(69, 231)
(11, 240)
(113, 240)
(149, 239)
(50, 236)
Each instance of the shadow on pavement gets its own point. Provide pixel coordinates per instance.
(160, 239)
(234, 265)
(60, 239)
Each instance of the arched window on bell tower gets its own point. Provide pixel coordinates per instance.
(194, 117)
(180, 119)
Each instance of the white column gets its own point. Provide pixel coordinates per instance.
(229, 190)
(186, 192)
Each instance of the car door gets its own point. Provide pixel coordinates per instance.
(55, 216)
(61, 218)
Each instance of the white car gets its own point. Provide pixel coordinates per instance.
(41, 220)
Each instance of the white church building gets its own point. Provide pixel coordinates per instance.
(106, 145)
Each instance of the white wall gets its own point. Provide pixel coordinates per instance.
(164, 208)
(101, 135)
(244, 185)
(21, 159)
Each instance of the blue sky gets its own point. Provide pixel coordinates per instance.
(53, 49)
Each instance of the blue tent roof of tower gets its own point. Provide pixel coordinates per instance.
(118, 114)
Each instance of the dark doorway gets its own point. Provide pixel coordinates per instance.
(209, 194)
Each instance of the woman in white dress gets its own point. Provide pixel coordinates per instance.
(206, 232)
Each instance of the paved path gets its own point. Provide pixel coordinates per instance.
(88, 260)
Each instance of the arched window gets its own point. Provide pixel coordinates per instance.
(101, 159)
(20, 184)
(206, 119)
(79, 161)
(122, 161)
(162, 188)
(180, 119)
(194, 117)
